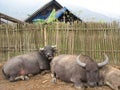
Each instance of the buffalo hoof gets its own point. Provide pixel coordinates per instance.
(101, 83)
(30, 75)
(54, 80)
(26, 78)
(12, 79)
(22, 78)
(79, 88)
(118, 87)
(19, 78)
(45, 72)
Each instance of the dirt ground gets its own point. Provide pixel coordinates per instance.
(40, 82)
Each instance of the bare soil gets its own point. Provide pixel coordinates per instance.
(40, 82)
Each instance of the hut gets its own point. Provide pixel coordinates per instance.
(62, 13)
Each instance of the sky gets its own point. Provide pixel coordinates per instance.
(21, 9)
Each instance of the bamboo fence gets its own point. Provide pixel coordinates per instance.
(92, 39)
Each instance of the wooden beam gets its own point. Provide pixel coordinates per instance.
(6, 17)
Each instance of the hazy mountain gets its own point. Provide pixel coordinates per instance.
(84, 14)
(87, 15)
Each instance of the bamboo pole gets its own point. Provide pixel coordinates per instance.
(45, 37)
(7, 35)
(75, 39)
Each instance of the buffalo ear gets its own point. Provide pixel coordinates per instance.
(55, 49)
(54, 46)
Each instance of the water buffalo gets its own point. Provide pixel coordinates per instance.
(81, 70)
(111, 77)
(21, 66)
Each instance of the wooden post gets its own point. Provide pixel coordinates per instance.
(45, 37)
(57, 37)
(0, 21)
(7, 42)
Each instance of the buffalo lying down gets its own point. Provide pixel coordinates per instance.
(111, 77)
(21, 66)
(81, 70)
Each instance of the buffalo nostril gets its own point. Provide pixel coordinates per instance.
(92, 84)
(100, 83)
(48, 54)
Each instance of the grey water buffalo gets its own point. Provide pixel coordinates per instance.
(111, 77)
(82, 70)
(19, 67)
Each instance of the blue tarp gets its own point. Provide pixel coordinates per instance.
(60, 12)
(57, 15)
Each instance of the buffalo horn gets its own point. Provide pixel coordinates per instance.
(41, 49)
(105, 62)
(79, 62)
(54, 46)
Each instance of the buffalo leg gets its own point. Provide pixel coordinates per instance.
(30, 75)
(45, 71)
(12, 79)
(26, 77)
(77, 83)
(53, 75)
(101, 80)
(22, 78)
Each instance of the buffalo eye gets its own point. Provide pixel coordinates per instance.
(96, 71)
(88, 71)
